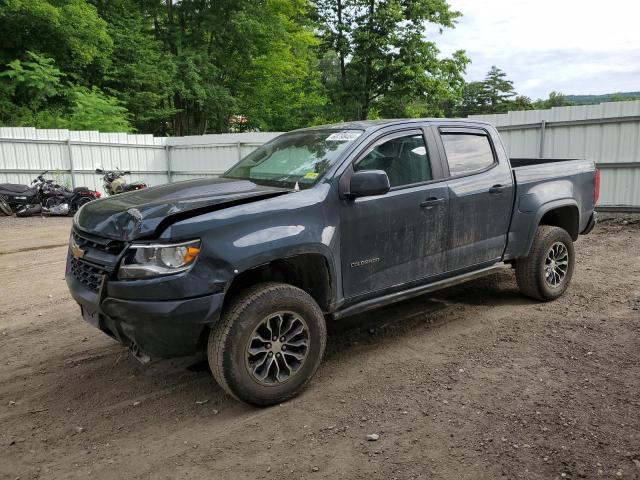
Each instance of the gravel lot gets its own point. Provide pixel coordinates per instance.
(473, 382)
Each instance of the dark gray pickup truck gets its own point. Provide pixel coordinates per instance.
(319, 224)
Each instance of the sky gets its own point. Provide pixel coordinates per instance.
(570, 46)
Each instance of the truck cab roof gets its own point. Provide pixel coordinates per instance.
(371, 125)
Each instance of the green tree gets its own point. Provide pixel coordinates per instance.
(33, 81)
(385, 66)
(239, 64)
(93, 110)
(475, 100)
(556, 99)
(521, 102)
(141, 75)
(69, 31)
(31, 90)
(495, 94)
(498, 89)
(280, 88)
(34, 95)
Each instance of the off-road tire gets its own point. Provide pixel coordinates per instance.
(530, 271)
(228, 342)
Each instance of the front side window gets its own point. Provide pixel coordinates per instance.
(294, 159)
(404, 159)
(467, 152)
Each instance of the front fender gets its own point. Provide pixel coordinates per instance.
(241, 238)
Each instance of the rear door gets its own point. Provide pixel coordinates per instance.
(480, 188)
(393, 239)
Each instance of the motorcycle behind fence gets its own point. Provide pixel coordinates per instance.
(115, 183)
(43, 197)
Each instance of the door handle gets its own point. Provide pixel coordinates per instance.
(497, 189)
(431, 202)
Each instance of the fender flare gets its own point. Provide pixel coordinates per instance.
(543, 210)
(286, 253)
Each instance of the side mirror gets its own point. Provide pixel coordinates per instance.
(99, 170)
(367, 183)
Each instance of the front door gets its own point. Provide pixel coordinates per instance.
(392, 239)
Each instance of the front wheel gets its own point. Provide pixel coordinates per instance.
(546, 272)
(268, 344)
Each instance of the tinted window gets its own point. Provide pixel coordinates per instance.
(404, 159)
(466, 152)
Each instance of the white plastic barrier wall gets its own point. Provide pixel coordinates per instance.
(72, 156)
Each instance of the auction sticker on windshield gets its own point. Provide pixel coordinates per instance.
(344, 136)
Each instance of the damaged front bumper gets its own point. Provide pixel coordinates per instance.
(167, 328)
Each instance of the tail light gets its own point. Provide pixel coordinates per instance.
(97, 194)
(596, 186)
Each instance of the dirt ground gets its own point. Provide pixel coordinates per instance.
(472, 382)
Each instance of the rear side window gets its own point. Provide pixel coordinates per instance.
(467, 152)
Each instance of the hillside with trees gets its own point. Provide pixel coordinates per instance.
(607, 97)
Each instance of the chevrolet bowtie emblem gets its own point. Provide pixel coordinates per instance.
(76, 251)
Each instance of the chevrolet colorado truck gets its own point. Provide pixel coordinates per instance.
(315, 225)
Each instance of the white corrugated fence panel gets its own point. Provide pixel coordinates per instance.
(25, 151)
(25, 155)
(213, 154)
(214, 159)
(601, 140)
(619, 186)
(143, 155)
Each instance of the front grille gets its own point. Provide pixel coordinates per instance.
(87, 274)
(113, 247)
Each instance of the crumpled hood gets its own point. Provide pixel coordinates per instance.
(138, 214)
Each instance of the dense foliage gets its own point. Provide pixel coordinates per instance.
(182, 67)
(179, 67)
(377, 63)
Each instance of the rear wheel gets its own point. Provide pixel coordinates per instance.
(546, 273)
(268, 344)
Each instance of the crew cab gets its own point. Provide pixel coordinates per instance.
(315, 225)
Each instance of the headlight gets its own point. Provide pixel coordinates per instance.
(154, 260)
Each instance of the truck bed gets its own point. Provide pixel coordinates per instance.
(568, 180)
(525, 162)
(531, 171)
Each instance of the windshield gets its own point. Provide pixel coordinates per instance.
(294, 160)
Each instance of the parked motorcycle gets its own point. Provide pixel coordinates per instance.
(115, 183)
(43, 196)
(59, 200)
